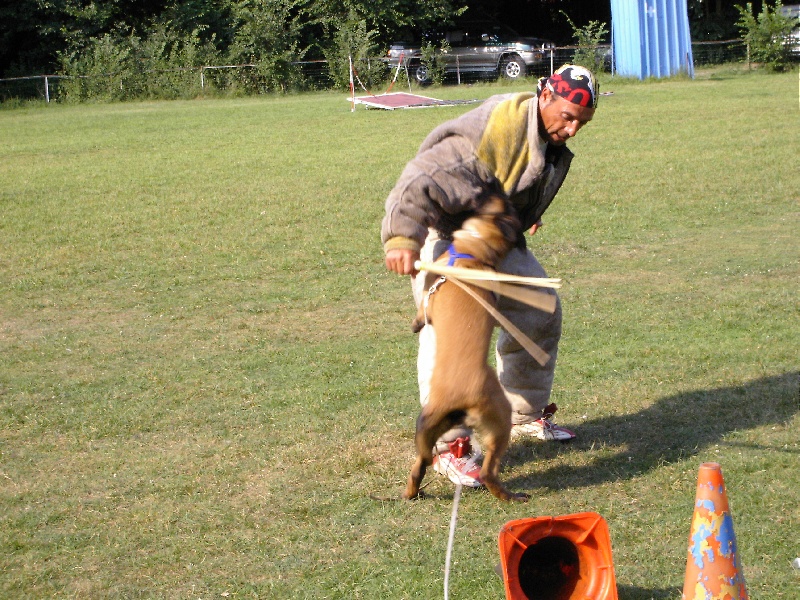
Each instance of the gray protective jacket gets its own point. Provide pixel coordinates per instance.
(494, 148)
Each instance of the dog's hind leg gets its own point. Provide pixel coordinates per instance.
(431, 424)
(495, 430)
(489, 476)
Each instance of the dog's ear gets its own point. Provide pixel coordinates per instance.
(494, 205)
(509, 225)
(505, 217)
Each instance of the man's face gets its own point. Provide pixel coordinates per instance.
(560, 119)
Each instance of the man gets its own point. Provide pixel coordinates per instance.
(514, 145)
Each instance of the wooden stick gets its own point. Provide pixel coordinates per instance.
(479, 274)
(535, 351)
(536, 299)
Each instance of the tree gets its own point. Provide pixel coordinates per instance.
(767, 34)
(589, 37)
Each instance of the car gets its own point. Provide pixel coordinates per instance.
(481, 48)
(793, 39)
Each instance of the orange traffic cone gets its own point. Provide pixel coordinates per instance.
(713, 571)
(557, 558)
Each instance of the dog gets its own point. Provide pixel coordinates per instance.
(464, 387)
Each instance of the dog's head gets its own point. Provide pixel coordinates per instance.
(489, 234)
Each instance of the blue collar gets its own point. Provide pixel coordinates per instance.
(456, 255)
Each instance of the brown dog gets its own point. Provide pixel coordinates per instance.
(464, 387)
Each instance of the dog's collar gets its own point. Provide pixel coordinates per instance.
(454, 255)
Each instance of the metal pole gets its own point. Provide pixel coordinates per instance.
(46, 89)
(352, 86)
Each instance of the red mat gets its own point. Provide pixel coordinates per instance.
(404, 100)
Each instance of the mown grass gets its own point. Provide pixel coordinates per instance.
(205, 370)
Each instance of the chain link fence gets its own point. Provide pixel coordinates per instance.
(245, 79)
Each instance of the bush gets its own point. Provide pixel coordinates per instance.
(588, 38)
(267, 35)
(353, 39)
(767, 35)
(431, 57)
(97, 71)
(114, 67)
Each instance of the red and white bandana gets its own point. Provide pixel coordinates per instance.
(574, 83)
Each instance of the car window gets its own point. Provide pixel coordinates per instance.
(457, 37)
(488, 34)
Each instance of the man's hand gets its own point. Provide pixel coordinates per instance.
(536, 227)
(401, 261)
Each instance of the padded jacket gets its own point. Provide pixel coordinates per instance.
(494, 148)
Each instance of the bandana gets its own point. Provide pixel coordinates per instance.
(573, 83)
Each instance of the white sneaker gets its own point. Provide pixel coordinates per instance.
(543, 428)
(460, 464)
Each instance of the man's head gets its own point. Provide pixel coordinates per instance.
(567, 101)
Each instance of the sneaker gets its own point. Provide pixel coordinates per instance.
(459, 463)
(543, 428)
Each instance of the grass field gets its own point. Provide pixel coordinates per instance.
(205, 370)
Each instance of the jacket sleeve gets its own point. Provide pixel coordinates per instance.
(438, 188)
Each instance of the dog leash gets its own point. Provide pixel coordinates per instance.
(450, 538)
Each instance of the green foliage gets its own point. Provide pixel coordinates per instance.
(268, 34)
(767, 34)
(165, 64)
(588, 38)
(272, 35)
(96, 72)
(353, 39)
(431, 57)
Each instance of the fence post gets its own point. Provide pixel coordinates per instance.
(202, 78)
(352, 84)
(458, 71)
(46, 89)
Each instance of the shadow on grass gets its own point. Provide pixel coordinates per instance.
(627, 592)
(670, 430)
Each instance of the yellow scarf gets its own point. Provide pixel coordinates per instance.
(504, 145)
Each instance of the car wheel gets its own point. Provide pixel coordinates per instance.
(419, 73)
(513, 68)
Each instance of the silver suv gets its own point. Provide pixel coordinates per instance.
(475, 48)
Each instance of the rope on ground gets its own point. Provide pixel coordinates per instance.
(451, 537)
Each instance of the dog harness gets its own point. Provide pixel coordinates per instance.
(454, 255)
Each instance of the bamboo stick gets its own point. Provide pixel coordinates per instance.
(536, 299)
(535, 351)
(479, 274)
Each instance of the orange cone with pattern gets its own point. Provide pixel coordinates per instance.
(713, 571)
